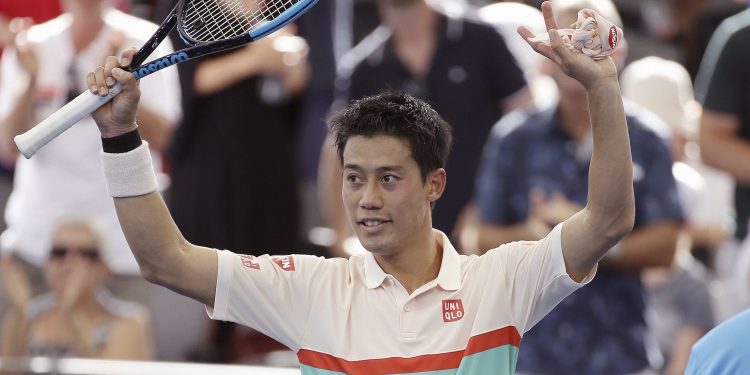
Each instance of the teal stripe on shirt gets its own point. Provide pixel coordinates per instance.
(496, 361)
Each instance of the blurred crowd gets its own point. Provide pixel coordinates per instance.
(240, 139)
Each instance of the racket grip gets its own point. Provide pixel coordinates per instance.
(83, 105)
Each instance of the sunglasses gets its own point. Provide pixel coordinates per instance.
(59, 253)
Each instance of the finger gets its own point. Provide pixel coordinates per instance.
(110, 63)
(549, 16)
(543, 48)
(100, 81)
(536, 196)
(91, 83)
(127, 56)
(128, 81)
(558, 47)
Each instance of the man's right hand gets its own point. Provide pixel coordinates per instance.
(117, 116)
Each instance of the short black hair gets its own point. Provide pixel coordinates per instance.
(398, 115)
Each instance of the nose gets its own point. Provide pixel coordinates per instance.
(371, 198)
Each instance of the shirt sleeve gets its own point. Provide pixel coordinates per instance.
(718, 85)
(271, 294)
(507, 77)
(533, 275)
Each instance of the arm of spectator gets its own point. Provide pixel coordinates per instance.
(494, 235)
(281, 54)
(155, 128)
(20, 116)
(162, 253)
(520, 99)
(652, 245)
(683, 344)
(15, 323)
(130, 338)
(721, 146)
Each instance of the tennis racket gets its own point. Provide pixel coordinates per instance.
(206, 26)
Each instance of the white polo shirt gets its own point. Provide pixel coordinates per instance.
(348, 316)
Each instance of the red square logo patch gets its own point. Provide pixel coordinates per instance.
(250, 262)
(285, 262)
(453, 310)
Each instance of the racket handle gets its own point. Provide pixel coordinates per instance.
(35, 138)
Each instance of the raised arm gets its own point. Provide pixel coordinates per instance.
(163, 254)
(610, 210)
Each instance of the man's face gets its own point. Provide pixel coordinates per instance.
(399, 13)
(387, 203)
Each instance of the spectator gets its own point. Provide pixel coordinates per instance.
(65, 176)
(722, 87)
(679, 304)
(460, 66)
(78, 317)
(534, 176)
(724, 350)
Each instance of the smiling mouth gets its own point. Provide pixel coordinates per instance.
(372, 223)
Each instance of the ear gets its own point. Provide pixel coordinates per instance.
(435, 184)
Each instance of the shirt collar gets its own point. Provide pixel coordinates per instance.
(448, 278)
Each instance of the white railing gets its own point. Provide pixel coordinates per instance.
(77, 366)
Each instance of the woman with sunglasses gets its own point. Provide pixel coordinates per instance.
(78, 317)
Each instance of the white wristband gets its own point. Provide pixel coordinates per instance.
(129, 174)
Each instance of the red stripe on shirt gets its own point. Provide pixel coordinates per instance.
(428, 362)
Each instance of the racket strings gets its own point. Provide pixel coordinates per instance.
(212, 20)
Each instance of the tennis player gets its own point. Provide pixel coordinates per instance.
(411, 304)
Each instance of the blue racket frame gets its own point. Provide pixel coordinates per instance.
(140, 70)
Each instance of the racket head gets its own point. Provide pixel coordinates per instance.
(209, 21)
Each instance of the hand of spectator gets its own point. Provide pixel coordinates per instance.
(18, 28)
(535, 223)
(76, 283)
(16, 284)
(6, 37)
(118, 116)
(555, 209)
(279, 52)
(577, 65)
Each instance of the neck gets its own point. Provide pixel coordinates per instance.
(87, 23)
(415, 266)
(418, 29)
(415, 42)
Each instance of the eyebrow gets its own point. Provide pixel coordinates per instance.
(385, 168)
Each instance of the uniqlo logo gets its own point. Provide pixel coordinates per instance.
(250, 262)
(453, 310)
(285, 262)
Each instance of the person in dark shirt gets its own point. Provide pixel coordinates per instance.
(460, 66)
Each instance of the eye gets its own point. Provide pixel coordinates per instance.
(389, 178)
(353, 179)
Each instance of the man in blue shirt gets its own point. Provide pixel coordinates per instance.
(533, 176)
(723, 350)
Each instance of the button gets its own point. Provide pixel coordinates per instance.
(407, 308)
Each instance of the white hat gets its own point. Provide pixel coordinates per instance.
(663, 87)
